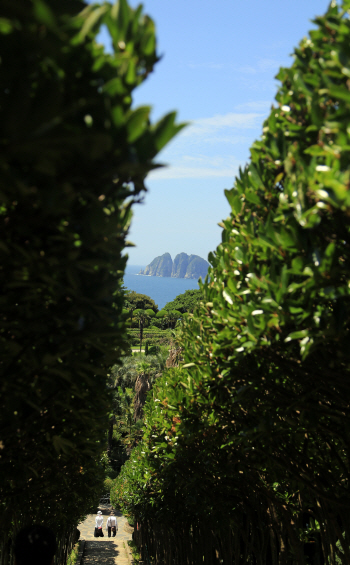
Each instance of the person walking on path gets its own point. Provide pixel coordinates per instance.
(99, 525)
(111, 525)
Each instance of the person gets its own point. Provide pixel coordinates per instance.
(35, 545)
(99, 525)
(112, 525)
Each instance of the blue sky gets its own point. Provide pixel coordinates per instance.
(219, 60)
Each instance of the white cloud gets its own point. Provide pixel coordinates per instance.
(268, 65)
(257, 105)
(178, 172)
(197, 166)
(261, 66)
(205, 148)
(220, 122)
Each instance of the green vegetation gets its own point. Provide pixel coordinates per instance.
(142, 319)
(134, 300)
(73, 161)
(134, 551)
(241, 454)
(125, 429)
(185, 302)
(153, 335)
(73, 556)
(251, 434)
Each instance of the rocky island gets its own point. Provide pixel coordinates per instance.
(183, 267)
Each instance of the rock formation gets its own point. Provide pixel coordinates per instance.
(160, 266)
(183, 267)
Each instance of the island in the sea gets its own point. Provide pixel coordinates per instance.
(183, 267)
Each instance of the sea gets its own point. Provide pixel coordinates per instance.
(161, 289)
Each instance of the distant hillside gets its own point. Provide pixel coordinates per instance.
(183, 267)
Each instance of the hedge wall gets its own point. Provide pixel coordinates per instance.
(251, 436)
(74, 156)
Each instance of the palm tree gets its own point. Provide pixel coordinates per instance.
(142, 318)
(172, 317)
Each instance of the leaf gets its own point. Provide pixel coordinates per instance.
(339, 92)
(165, 130)
(114, 86)
(227, 296)
(92, 20)
(44, 13)
(6, 26)
(234, 200)
(137, 122)
(296, 335)
(62, 444)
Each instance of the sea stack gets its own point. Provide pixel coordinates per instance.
(183, 267)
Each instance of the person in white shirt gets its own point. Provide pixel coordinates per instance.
(112, 525)
(99, 525)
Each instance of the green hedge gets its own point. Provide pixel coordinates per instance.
(252, 434)
(154, 337)
(74, 158)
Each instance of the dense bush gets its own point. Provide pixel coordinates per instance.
(135, 300)
(161, 313)
(74, 158)
(151, 313)
(185, 302)
(252, 434)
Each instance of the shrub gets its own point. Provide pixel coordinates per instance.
(161, 314)
(74, 158)
(150, 312)
(254, 426)
(73, 556)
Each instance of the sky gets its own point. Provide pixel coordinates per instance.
(218, 68)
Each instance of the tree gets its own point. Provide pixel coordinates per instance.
(142, 319)
(135, 300)
(73, 162)
(185, 302)
(171, 317)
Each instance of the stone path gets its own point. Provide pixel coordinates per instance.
(106, 551)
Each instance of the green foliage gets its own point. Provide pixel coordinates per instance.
(142, 319)
(134, 300)
(73, 556)
(134, 551)
(151, 313)
(171, 317)
(153, 335)
(156, 323)
(254, 426)
(124, 375)
(185, 302)
(74, 158)
(161, 313)
(107, 484)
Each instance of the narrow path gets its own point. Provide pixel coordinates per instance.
(106, 551)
